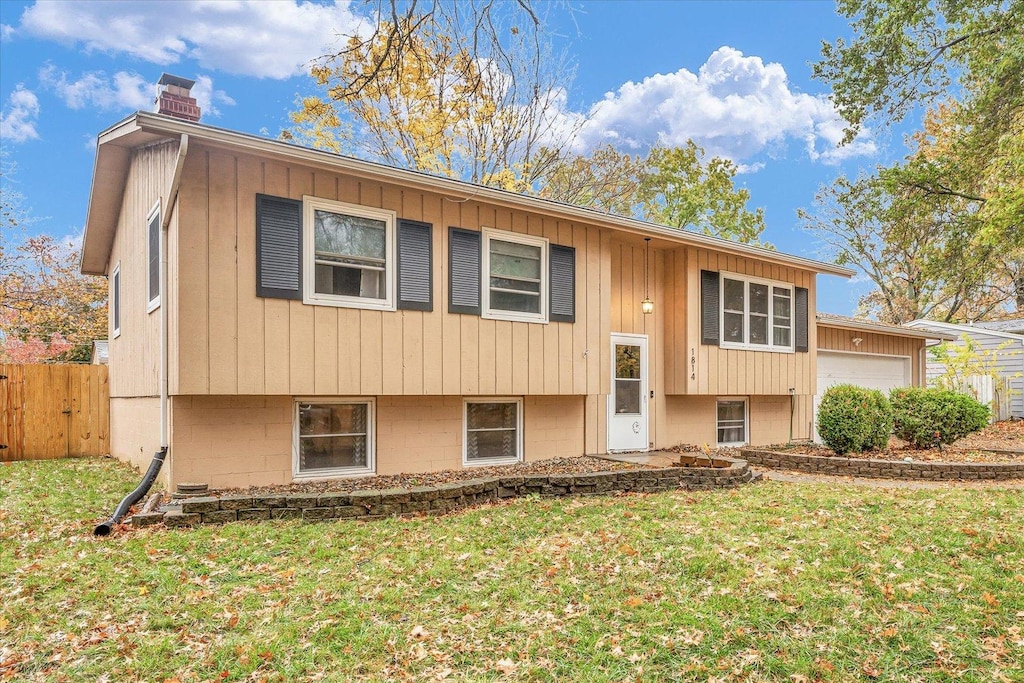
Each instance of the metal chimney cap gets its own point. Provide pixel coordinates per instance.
(170, 79)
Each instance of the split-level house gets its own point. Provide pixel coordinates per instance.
(280, 313)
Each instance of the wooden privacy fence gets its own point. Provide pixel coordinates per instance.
(53, 411)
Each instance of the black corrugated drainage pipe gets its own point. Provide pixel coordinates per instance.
(135, 496)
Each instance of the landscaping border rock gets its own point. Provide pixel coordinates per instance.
(884, 469)
(371, 504)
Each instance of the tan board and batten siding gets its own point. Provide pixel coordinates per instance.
(137, 349)
(233, 342)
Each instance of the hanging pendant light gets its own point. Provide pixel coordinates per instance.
(647, 306)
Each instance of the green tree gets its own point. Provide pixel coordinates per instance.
(683, 191)
(606, 179)
(672, 186)
(954, 208)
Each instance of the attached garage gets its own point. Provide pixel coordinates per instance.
(868, 354)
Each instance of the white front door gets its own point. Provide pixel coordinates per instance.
(627, 404)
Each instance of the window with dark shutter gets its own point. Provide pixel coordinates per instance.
(709, 310)
(801, 317)
(562, 263)
(463, 271)
(415, 269)
(278, 247)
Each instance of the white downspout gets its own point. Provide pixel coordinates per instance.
(172, 198)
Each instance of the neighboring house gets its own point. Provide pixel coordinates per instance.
(1014, 326)
(870, 354)
(1008, 350)
(281, 313)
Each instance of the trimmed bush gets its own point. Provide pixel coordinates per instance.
(921, 416)
(854, 419)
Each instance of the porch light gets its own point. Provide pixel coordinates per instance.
(647, 306)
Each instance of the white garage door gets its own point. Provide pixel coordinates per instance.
(865, 370)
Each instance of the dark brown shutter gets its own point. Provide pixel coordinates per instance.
(415, 266)
(709, 307)
(562, 284)
(800, 319)
(278, 247)
(463, 271)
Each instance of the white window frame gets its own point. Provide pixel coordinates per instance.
(115, 301)
(337, 472)
(154, 303)
(771, 284)
(486, 462)
(746, 420)
(309, 294)
(485, 285)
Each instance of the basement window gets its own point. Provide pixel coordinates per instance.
(732, 421)
(333, 438)
(493, 432)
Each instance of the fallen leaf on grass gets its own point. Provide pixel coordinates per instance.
(419, 633)
(634, 601)
(506, 666)
(869, 667)
(989, 599)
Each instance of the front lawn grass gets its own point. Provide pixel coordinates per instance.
(769, 582)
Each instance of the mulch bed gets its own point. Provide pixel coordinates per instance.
(1002, 442)
(583, 464)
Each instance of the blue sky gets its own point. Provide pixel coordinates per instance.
(734, 76)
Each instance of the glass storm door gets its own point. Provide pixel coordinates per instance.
(627, 404)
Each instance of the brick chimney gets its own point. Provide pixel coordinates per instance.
(174, 99)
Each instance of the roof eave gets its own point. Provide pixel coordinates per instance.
(878, 329)
(201, 132)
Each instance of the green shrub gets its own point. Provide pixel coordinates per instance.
(854, 419)
(922, 415)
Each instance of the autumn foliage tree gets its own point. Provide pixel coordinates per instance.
(465, 90)
(473, 90)
(49, 311)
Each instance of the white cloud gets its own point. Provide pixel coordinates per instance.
(262, 39)
(123, 91)
(95, 90)
(734, 106)
(6, 32)
(207, 97)
(18, 121)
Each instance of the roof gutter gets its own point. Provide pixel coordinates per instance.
(900, 331)
(465, 191)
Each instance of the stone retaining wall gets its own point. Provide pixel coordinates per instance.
(884, 469)
(443, 498)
